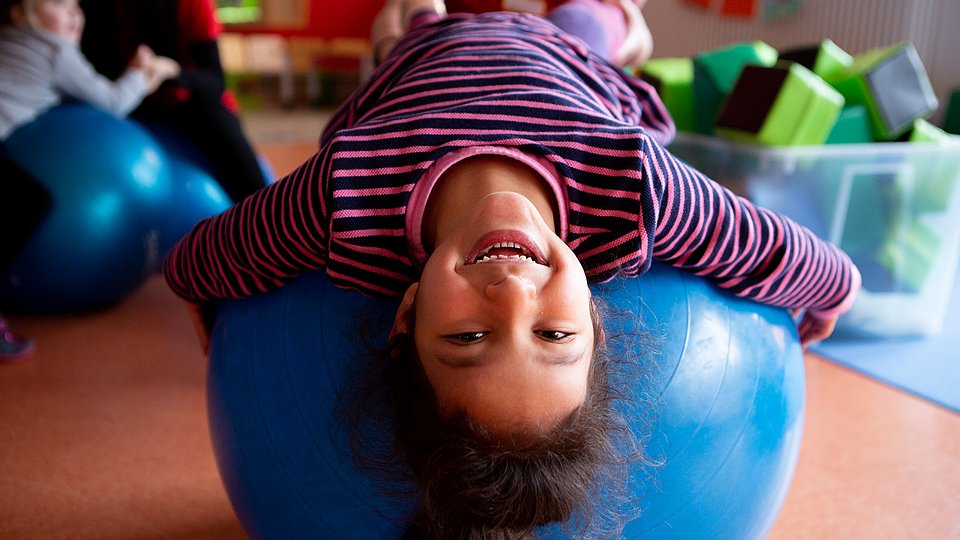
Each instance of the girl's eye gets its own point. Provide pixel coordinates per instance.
(467, 337)
(554, 335)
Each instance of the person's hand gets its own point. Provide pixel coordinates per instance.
(142, 58)
(393, 21)
(412, 7)
(201, 324)
(161, 69)
(813, 328)
(637, 46)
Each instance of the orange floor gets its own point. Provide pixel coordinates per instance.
(103, 436)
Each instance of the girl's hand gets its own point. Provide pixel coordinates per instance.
(201, 325)
(813, 328)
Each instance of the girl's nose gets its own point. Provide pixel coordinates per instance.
(512, 289)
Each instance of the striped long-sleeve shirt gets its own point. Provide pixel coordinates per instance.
(518, 85)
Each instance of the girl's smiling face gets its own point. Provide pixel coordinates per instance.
(503, 320)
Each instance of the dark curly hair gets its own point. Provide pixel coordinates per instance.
(470, 482)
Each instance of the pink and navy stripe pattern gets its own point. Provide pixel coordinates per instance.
(518, 82)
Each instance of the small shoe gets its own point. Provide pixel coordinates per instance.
(13, 346)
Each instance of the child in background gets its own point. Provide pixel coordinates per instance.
(491, 167)
(42, 65)
(599, 25)
(195, 105)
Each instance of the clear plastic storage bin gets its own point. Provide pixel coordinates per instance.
(893, 207)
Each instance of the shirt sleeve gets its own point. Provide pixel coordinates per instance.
(749, 250)
(261, 243)
(76, 78)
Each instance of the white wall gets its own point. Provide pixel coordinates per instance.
(933, 26)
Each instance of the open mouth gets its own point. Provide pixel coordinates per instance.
(505, 251)
(505, 246)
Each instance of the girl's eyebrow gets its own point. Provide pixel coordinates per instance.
(461, 360)
(568, 357)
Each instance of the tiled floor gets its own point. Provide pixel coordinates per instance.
(103, 433)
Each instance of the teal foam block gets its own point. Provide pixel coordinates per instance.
(852, 126)
(716, 72)
(951, 122)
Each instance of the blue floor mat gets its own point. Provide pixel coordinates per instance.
(927, 367)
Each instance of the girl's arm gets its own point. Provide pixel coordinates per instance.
(752, 251)
(261, 243)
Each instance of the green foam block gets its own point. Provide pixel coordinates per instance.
(716, 72)
(852, 126)
(935, 174)
(951, 122)
(910, 252)
(893, 84)
(673, 79)
(783, 105)
(824, 59)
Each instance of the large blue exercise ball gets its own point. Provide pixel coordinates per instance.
(727, 382)
(109, 186)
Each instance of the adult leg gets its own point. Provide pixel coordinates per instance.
(218, 134)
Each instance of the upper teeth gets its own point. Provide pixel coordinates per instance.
(524, 255)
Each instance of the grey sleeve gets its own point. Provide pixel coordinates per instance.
(76, 77)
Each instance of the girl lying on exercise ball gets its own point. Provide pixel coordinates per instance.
(492, 167)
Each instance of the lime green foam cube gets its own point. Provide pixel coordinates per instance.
(716, 72)
(893, 84)
(673, 79)
(935, 175)
(923, 131)
(783, 105)
(910, 252)
(826, 59)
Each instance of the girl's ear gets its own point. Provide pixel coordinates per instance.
(600, 336)
(401, 322)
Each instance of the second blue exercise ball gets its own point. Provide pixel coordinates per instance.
(196, 194)
(110, 186)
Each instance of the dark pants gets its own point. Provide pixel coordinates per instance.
(23, 205)
(217, 133)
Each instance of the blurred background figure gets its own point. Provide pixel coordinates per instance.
(195, 105)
